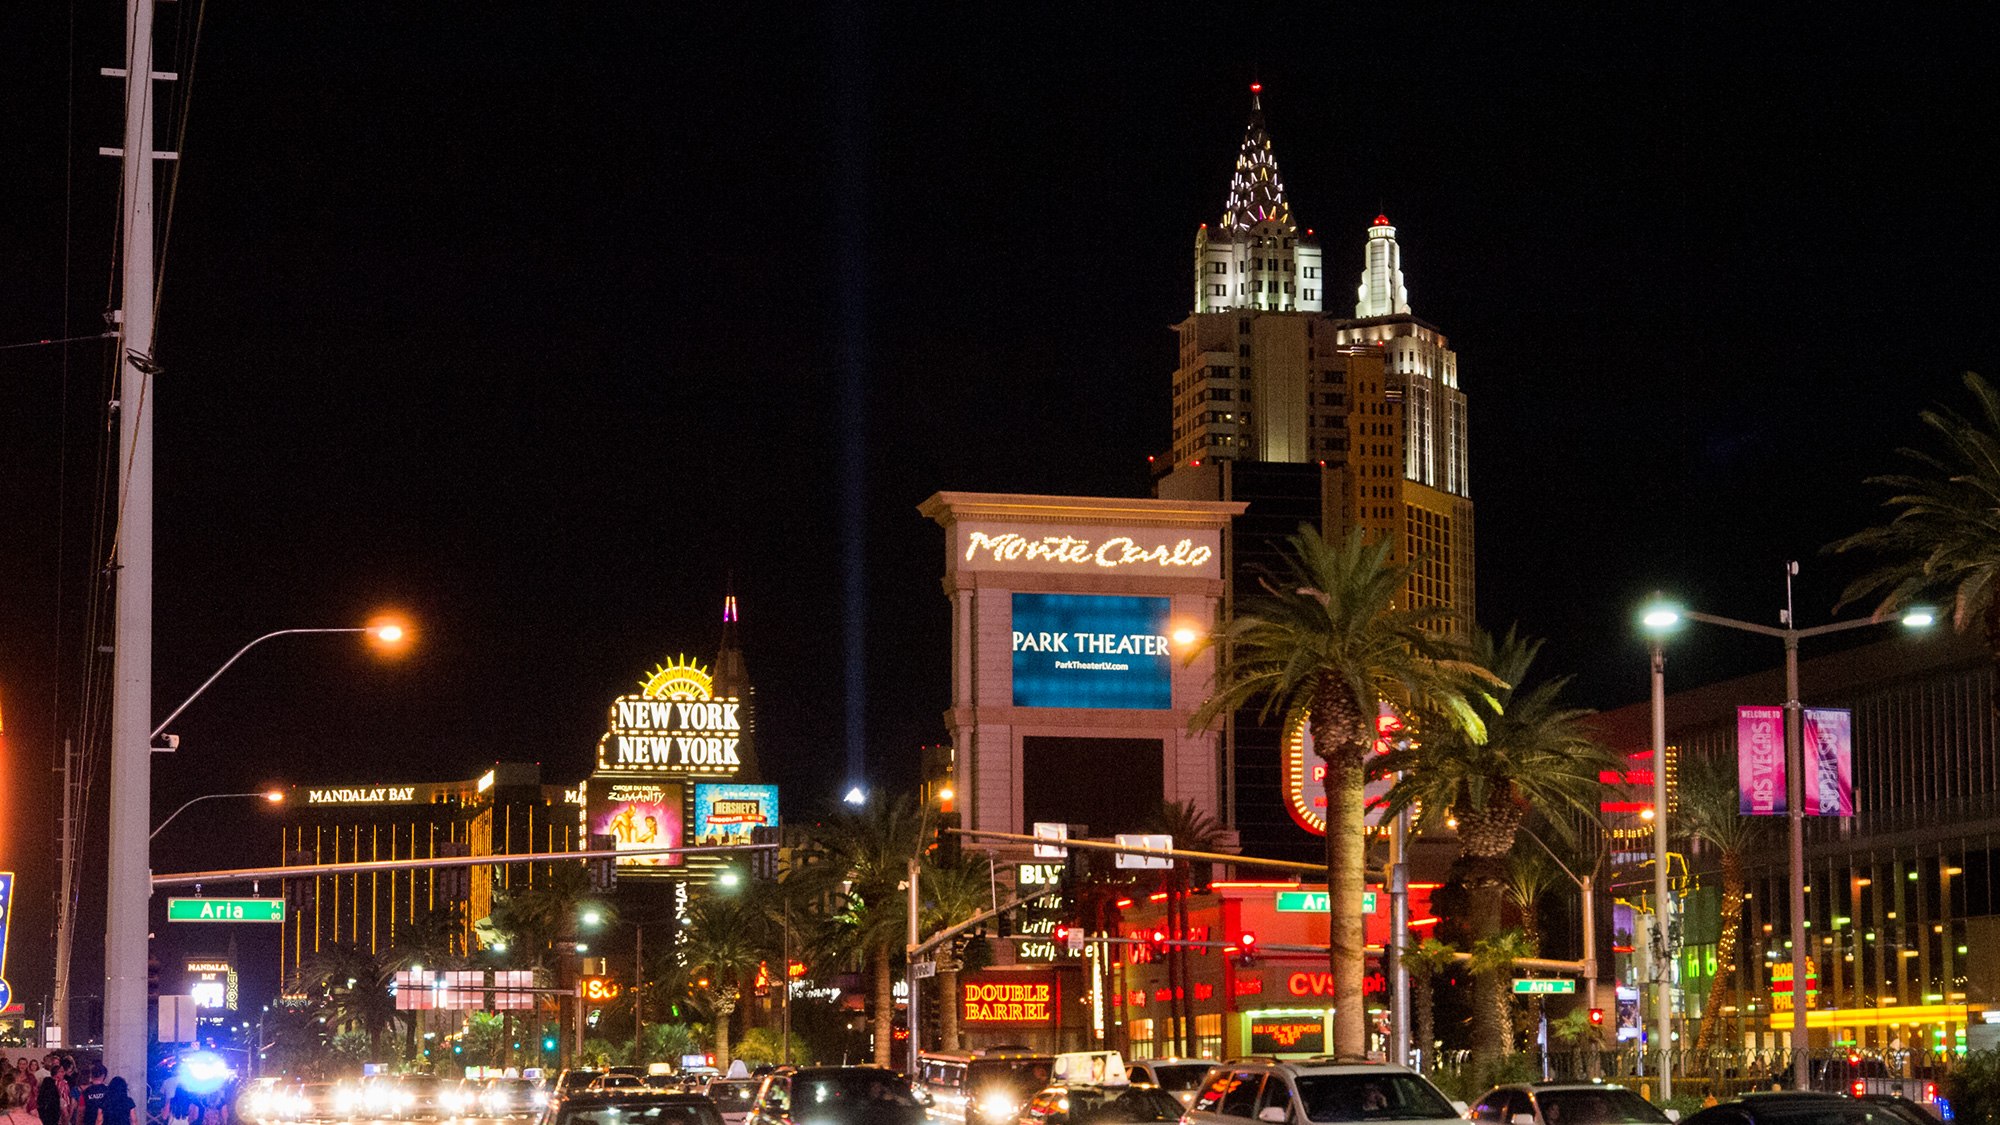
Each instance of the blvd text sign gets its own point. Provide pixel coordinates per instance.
(225, 910)
(1532, 987)
(1314, 902)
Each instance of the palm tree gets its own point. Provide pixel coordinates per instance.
(1424, 961)
(1945, 536)
(1529, 877)
(952, 893)
(722, 944)
(858, 862)
(1193, 830)
(1710, 812)
(1329, 646)
(1493, 960)
(1536, 756)
(350, 987)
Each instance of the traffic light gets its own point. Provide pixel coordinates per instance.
(1597, 1017)
(548, 1042)
(1156, 944)
(152, 977)
(603, 873)
(1246, 951)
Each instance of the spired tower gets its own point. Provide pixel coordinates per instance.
(732, 681)
(1339, 422)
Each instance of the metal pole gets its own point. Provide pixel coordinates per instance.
(1399, 937)
(1795, 801)
(127, 892)
(638, 991)
(785, 1004)
(66, 892)
(1664, 996)
(916, 1042)
(1590, 940)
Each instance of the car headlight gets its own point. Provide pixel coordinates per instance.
(997, 1108)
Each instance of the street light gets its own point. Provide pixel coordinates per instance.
(387, 633)
(1660, 617)
(275, 796)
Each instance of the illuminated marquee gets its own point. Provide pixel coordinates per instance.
(1090, 550)
(212, 983)
(673, 726)
(1028, 1002)
(1305, 773)
(371, 795)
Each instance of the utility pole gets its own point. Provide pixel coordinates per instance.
(66, 893)
(638, 991)
(128, 890)
(916, 1043)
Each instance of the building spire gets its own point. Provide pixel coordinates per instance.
(1257, 192)
(1381, 292)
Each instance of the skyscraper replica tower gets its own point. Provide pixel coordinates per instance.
(1311, 417)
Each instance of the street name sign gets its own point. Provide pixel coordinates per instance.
(225, 910)
(919, 970)
(1532, 987)
(1314, 902)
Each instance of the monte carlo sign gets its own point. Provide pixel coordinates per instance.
(674, 725)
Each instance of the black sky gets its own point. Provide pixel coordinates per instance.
(527, 319)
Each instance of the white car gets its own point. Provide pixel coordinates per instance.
(1305, 1092)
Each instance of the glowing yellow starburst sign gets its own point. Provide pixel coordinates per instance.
(675, 725)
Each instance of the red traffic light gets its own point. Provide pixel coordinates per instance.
(1159, 937)
(1062, 934)
(1247, 942)
(1597, 1017)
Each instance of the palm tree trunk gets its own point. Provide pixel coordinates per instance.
(885, 1008)
(1725, 951)
(1183, 976)
(1346, 864)
(948, 1010)
(1424, 1000)
(723, 1010)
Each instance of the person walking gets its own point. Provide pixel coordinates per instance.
(93, 1096)
(48, 1100)
(118, 1103)
(14, 1099)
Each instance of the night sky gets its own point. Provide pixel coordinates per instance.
(528, 321)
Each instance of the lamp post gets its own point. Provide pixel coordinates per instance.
(1660, 618)
(128, 883)
(1586, 884)
(274, 796)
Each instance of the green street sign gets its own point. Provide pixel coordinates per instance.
(225, 910)
(1532, 987)
(1314, 902)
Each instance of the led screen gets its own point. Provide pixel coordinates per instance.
(1092, 650)
(726, 814)
(637, 814)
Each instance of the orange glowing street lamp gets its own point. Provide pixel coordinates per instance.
(386, 632)
(275, 796)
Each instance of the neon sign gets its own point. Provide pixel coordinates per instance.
(1305, 773)
(673, 725)
(1321, 984)
(6, 917)
(378, 795)
(1091, 550)
(1025, 1002)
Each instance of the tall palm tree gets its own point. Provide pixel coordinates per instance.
(1493, 960)
(1424, 961)
(858, 861)
(350, 986)
(1536, 756)
(1329, 644)
(1945, 536)
(1710, 812)
(1193, 830)
(722, 943)
(1530, 875)
(952, 893)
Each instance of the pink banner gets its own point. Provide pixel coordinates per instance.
(1760, 761)
(1829, 761)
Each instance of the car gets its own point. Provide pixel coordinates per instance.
(1912, 1112)
(412, 1096)
(1179, 1077)
(629, 1106)
(577, 1078)
(512, 1097)
(313, 1101)
(1315, 1090)
(616, 1082)
(1794, 1107)
(1102, 1105)
(984, 1087)
(734, 1098)
(837, 1095)
(1564, 1103)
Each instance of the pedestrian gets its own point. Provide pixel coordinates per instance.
(14, 1099)
(181, 1107)
(93, 1095)
(117, 1103)
(48, 1101)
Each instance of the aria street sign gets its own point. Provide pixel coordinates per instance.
(1526, 986)
(1314, 902)
(225, 910)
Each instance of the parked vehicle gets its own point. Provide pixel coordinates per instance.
(1179, 1077)
(1794, 1107)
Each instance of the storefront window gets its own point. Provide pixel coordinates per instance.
(1141, 1032)
(1208, 1035)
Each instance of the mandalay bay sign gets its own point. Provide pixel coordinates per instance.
(674, 725)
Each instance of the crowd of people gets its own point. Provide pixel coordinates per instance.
(58, 1090)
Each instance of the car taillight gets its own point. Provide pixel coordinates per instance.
(1930, 1091)
(1860, 1087)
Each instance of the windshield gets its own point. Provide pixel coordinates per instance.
(1371, 1097)
(1021, 1076)
(728, 1094)
(1093, 1108)
(1180, 1076)
(827, 1091)
(639, 1111)
(1611, 1105)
